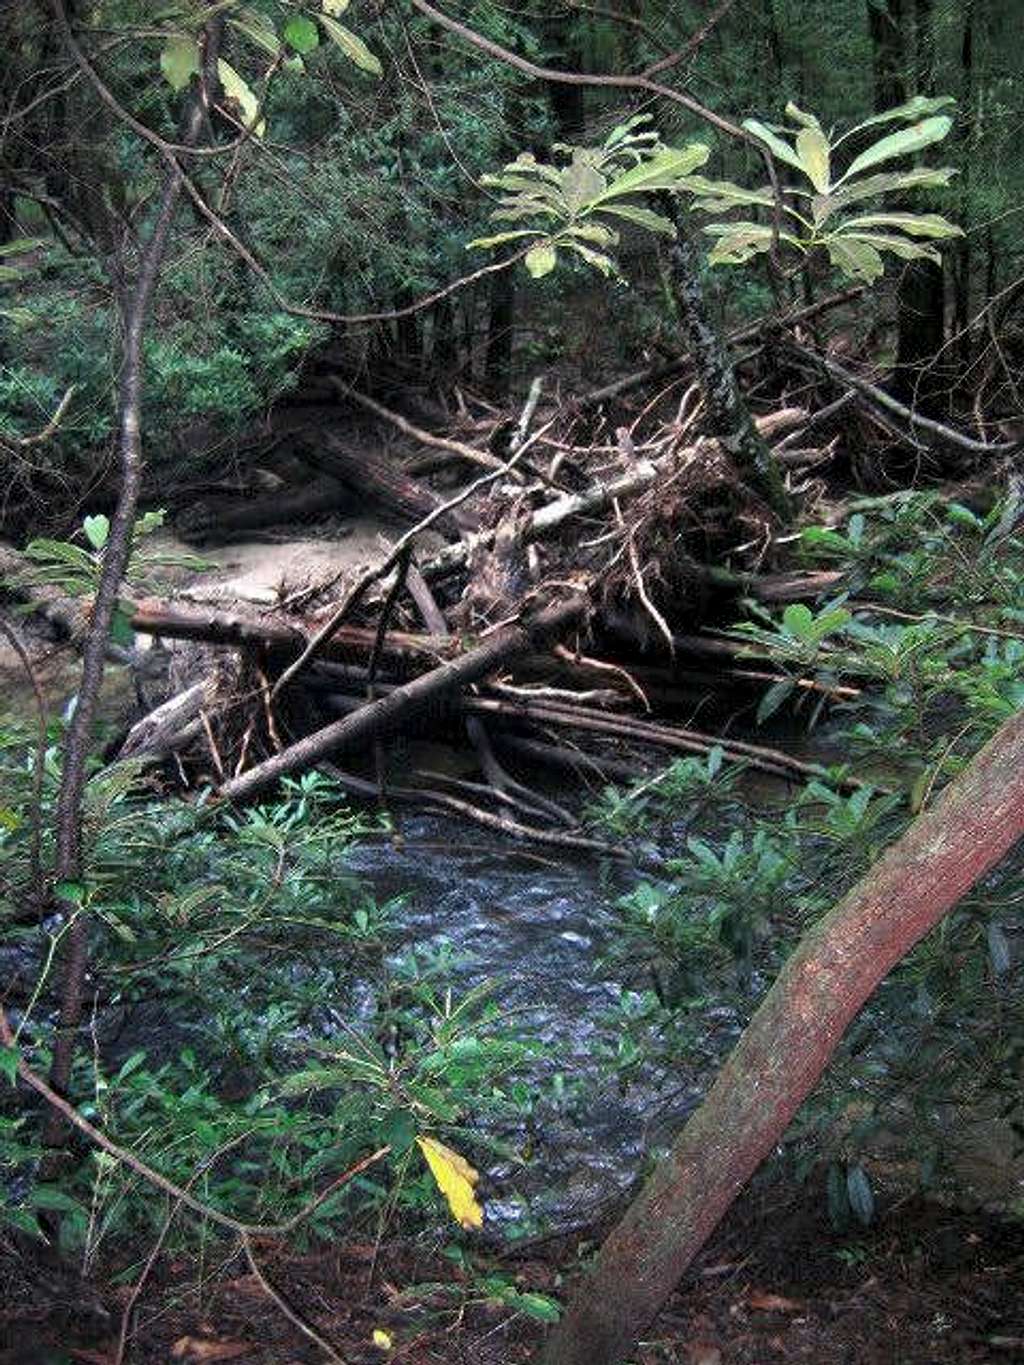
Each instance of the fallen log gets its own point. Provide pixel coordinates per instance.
(385, 716)
(384, 481)
(153, 617)
(161, 731)
(219, 521)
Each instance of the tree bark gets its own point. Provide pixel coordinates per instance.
(78, 742)
(379, 478)
(729, 417)
(217, 521)
(787, 1045)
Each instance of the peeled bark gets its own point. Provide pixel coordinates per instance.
(787, 1045)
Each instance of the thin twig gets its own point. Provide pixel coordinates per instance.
(286, 1308)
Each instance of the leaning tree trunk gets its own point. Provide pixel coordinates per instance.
(728, 415)
(68, 862)
(786, 1047)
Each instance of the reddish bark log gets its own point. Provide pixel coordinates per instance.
(784, 1051)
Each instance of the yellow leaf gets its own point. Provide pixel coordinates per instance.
(335, 7)
(382, 1339)
(237, 92)
(455, 1178)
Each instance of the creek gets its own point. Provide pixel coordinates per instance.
(539, 929)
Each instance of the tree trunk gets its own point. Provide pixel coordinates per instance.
(962, 248)
(382, 480)
(729, 417)
(68, 863)
(921, 298)
(787, 1045)
(501, 304)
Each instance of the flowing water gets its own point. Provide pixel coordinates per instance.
(539, 928)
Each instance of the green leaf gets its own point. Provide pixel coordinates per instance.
(179, 61)
(538, 1306)
(838, 1198)
(917, 108)
(20, 245)
(541, 260)
(646, 218)
(9, 1063)
(49, 1197)
(237, 91)
(813, 150)
(121, 632)
(914, 224)
(19, 1218)
(97, 530)
(73, 892)
(597, 259)
(779, 149)
(904, 143)
(258, 29)
(720, 195)
(500, 238)
(581, 183)
(594, 232)
(354, 48)
(301, 35)
(857, 260)
(800, 116)
(888, 182)
(398, 1130)
(659, 172)
(798, 621)
(738, 242)
(899, 246)
(774, 698)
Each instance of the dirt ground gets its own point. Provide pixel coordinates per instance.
(927, 1285)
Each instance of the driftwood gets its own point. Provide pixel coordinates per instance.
(383, 481)
(170, 725)
(172, 622)
(221, 521)
(380, 718)
(671, 737)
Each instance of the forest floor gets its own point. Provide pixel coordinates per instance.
(926, 1285)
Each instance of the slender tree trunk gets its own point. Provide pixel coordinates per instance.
(922, 291)
(963, 251)
(728, 415)
(501, 308)
(786, 1047)
(68, 865)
